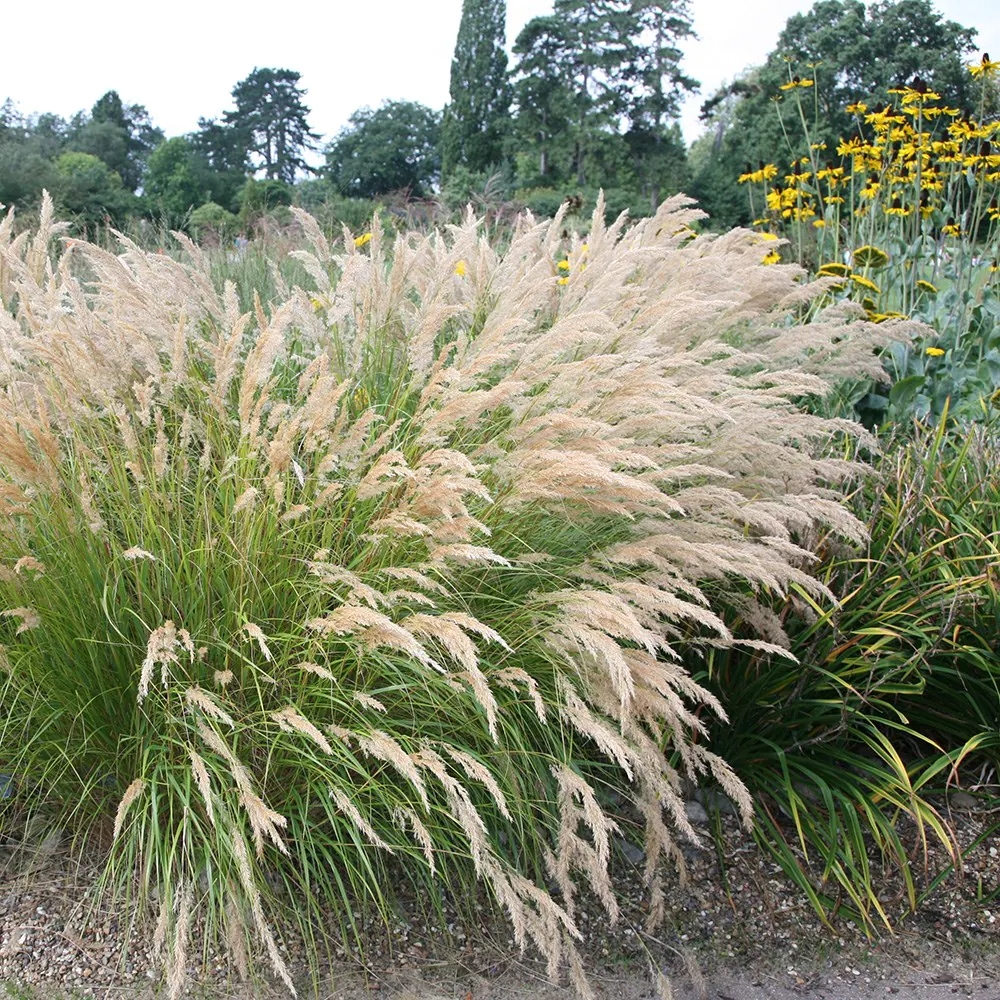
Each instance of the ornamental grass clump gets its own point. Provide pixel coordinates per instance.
(401, 568)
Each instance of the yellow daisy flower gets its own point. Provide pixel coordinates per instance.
(869, 256)
(985, 67)
(834, 269)
(860, 279)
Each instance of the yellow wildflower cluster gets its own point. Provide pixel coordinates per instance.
(910, 159)
(565, 266)
(916, 177)
(766, 172)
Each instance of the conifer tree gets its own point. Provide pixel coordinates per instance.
(475, 122)
(270, 120)
(542, 95)
(604, 68)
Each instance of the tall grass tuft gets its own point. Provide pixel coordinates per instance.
(400, 564)
(897, 698)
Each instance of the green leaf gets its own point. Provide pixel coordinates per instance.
(904, 391)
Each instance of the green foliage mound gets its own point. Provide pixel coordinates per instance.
(850, 752)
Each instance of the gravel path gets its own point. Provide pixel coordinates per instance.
(753, 939)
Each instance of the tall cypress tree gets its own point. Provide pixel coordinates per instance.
(475, 122)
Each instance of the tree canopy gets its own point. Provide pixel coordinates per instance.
(171, 185)
(542, 95)
(388, 149)
(590, 100)
(89, 191)
(853, 52)
(121, 136)
(598, 70)
(270, 123)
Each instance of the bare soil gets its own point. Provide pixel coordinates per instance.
(738, 930)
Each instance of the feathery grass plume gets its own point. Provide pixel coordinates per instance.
(134, 790)
(236, 934)
(578, 804)
(381, 746)
(198, 698)
(135, 552)
(204, 783)
(500, 512)
(29, 564)
(163, 918)
(29, 618)
(292, 721)
(161, 647)
(254, 632)
(177, 971)
(408, 818)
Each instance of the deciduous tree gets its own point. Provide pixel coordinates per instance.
(25, 158)
(171, 186)
(391, 148)
(89, 191)
(121, 136)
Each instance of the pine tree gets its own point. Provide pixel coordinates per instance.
(475, 122)
(541, 90)
(623, 68)
(654, 81)
(270, 118)
(598, 32)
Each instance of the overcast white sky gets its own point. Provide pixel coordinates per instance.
(182, 58)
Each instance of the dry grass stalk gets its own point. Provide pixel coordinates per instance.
(177, 970)
(134, 790)
(201, 778)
